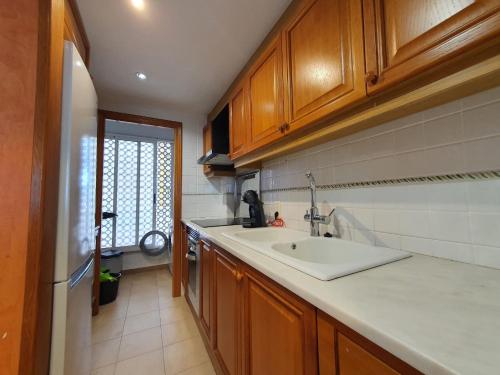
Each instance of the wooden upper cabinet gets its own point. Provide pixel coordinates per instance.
(207, 143)
(265, 98)
(324, 60)
(227, 311)
(404, 38)
(279, 330)
(206, 288)
(238, 124)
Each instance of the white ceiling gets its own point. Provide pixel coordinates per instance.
(191, 50)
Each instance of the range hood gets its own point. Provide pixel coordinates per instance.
(212, 158)
(217, 141)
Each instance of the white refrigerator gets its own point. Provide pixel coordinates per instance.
(76, 232)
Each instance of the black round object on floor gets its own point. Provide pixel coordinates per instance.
(156, 250)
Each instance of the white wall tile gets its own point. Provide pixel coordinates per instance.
(414, 223)
(485, 228)
(482, 121)
(386, 221)
(450, 196)
(444, 130)
(442, 110)
(461, 252)
(487, 256)
(410, 138)
(454, 220)
(449, 226)
(482, 154)
(388, 240)
(417, 245)
(481, 98)
(484, 196)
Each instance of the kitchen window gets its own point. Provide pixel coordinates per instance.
(137, 186)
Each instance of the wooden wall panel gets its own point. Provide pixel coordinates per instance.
(19, 34)
(74, 30)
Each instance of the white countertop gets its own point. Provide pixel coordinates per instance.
(440, 316)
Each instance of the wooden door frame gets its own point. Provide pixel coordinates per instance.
(104, 115)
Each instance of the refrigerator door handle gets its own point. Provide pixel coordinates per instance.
(81, 272)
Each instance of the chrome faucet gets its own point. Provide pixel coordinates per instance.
(312, 215)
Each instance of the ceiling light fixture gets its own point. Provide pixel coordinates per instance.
(141, 76)
(138, 4)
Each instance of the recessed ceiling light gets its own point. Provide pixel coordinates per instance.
(138, 4)
(141, 75)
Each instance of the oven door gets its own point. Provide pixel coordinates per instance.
(193, 257)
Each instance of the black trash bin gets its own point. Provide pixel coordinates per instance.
(112, 260)
(108, 290)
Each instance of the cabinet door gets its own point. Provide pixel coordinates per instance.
(207, 142)
(324, 59)
(227, 312)
(206, 287)
(344, 351)
(266, 96)
(354, 360)
(279, 330)
(404, 38)
(238, 124)
(184, 250)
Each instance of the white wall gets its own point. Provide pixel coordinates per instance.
(201, 197)
(455, 220)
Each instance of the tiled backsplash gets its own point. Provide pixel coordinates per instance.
(202, 196)
(455, 220)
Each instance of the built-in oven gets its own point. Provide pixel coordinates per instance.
(193, 258)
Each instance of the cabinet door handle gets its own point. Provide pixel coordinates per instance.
(371, 78)
(281, 128)
(286, 126)
(239, 276)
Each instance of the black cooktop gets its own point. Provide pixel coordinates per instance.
(206, 223)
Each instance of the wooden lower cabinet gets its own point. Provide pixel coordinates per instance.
(345, 352)
(227, 312)
(206, 273)
(184, 250)
(257, 327)
(279, 329)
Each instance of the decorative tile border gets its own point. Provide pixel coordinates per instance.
(398, 181)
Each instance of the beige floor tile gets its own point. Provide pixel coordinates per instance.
(174, 314)
(163, 275)
(143, 288)
(140, 322)
(184, 355)
(106, 370)
(164, 284)
(147, 364)
(179, 331)
(112, 311)
(165, 301)
(140, 343)
(142, 305)
(165, 291)
(203, 369)
(145, 277)
(105, 353)
(106, 328)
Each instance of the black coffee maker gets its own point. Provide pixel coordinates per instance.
(257, 218)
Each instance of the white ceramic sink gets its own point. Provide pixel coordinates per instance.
(320, 257)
